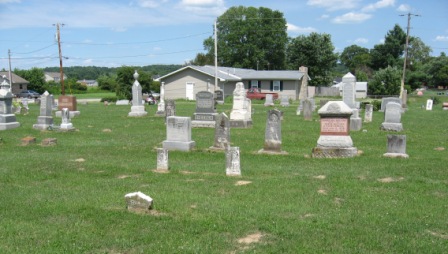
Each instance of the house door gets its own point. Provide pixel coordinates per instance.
(190, 91)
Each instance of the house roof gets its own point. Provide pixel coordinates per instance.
(239, 74)
(53, 74)
(15, 78)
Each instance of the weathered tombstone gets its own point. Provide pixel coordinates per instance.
(67, 101)
(66, 124)
(219, 97)
(122, 103)
(222, 132)
(170, 108)
(137, 108)
(7, 117)
(429, 104)
(355, 121)
(392, 117)
(396, 146)
(404, 99)
(368, 113)
(334, 140)
(307, 110)
(233, 165)
(300, 108)
(178, 134)
(205, 113)
(269, 100)
(273, 133)
(162, 159)
(240, 116)
(45, 119)
(387, 100)
(303, 94)
(284, 101)
(25, 108)
(161, 105)
(138, 202)
(349, 90)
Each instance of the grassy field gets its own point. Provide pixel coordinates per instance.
(69, 198)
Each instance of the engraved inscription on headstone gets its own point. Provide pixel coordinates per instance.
(222, 132)
(162, 159)
(273, 133)
(178, 135)
(233, 167)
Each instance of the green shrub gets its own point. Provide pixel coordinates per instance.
(376, 105)
(109, 99)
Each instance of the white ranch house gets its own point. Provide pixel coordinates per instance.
(189, 80)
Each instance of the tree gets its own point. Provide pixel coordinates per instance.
(250, 37)
(389, 52)
(316, 52)
(106, 82)
(357, 59)
(418, 52)
(385, 82)
(202, 59)
(36, 78)
(437, 71)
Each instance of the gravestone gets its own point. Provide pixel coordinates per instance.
(240, 116)
(137, 108)
(284, 101)
(170, 108)
(122, 102)
(273, 133)
(404, 99)
(429, 104)
(396, 146)
(355, 121)
(205, 113)
(233, 165)
(303, 94)
(386, 100)
(69, 102)
(222, 132)
(392, 117)
(162, 159)
(178, 134)
(7, 117)
(25, 107)
(269, 100)
(161, 105)
(138, 202)
(66, 124)
(334, 140)
(219, 97)
(368, 113)
(45, 119)
(307, 110)
(349, 90)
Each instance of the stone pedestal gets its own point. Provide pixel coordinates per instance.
(137, 108)
(137, 111)
(240, 116)
(178, 132)
(396, 146)
(7, 117)
(334, 140)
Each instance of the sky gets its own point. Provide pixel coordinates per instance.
(114, 33)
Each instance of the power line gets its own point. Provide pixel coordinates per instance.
(34, 51)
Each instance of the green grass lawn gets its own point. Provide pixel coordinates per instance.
(69, 198)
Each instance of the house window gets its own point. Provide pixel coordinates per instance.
(276, 85)
(21, 86)
(254, 84)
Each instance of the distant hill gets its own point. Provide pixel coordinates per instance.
(93, 72)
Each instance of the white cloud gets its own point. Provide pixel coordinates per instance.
(157, 48)
(203, 7)
(203, 2)
(333, 5)
(149, 3)
(351, 17)
(441, 38)
(361, 40)
(378, 5)
(9, 1)
(324, 16)
(88, 61)
(404, 8)
(381, 41)
(119, 29)
(300, 30)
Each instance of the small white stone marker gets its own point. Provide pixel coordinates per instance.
(138, 201)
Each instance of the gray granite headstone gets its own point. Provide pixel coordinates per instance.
(162, 159)
(284, 101)
(273, 133)
(45, 119)
(219, 96)
(307, 110)
(137, 108)
(349, 90)
(386, 100)
(233, 166)
(170, 108)
(303, 94)
(355, 121)
(178, 134)
(368, 113)
(392, 117)
(222, 132)
(269, 100)
(396, 146)
(205, 110)
(334, 140)
(7, 117)
(138, 201)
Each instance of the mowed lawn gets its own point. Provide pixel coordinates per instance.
(69, 198)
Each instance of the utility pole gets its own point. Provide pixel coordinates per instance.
(10, 73)
(216, 55)
(61, 71)
(406, 51)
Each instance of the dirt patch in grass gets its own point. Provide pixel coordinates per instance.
(439, 148)
(252, 238)
(362, 177)
(160, 171)
(107, 130)
(185, 172)
(195, 180)
(239, 183)
(437, 234)
(306, 215)
(320, 177)
(322, 191)
(338, 201)
(390, 179)
(126, 176)
(80, 160)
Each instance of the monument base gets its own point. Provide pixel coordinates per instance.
(137, 111)
(8, 121)
(66, 127)
(273, 152)
(391, 127)
(396, 155)
(43, 123)
(355, 124)
(178, 145)
(205, 120)
(240, 123)
(334, 152)
(71, 113)
(202, 124)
